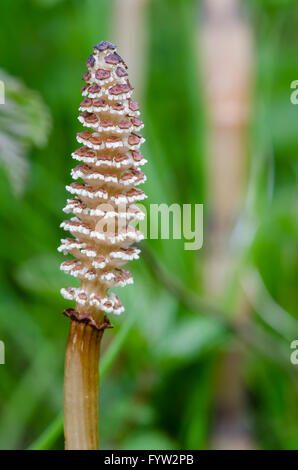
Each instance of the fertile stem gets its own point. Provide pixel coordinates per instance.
(81, 387)
(103, 205)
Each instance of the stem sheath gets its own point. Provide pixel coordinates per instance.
(81, 387)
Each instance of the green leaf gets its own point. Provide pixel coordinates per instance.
(41, 274)
(189, 338)
(149, 440)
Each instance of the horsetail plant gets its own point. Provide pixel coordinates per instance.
(103, 205)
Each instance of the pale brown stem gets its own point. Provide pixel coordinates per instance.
(81, 387)
(129, 31)
(227, 54)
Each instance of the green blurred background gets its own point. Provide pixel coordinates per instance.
(165, 383)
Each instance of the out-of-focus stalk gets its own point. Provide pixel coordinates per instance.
(227, 57)
(130, 33)
(227, 62)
